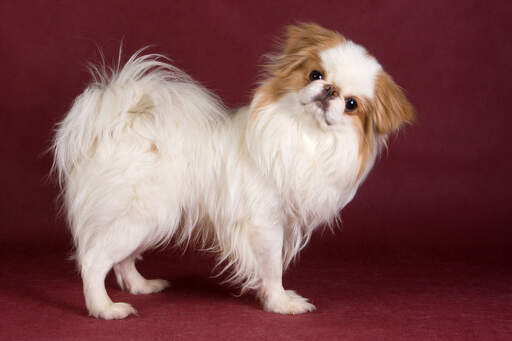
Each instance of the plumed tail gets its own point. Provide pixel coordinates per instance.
(146, 86)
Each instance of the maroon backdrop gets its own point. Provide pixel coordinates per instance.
(443, 187)
(438, 201)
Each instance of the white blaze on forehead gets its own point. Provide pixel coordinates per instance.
(351, 68)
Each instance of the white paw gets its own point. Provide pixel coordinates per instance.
(149, 286)
(288, 302)
(114, 311)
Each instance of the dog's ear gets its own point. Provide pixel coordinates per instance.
(306, 35)
(300, 42)
(392, 109)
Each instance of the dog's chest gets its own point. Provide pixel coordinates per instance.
(319, 176)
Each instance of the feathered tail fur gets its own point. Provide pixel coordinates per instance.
(105, 107)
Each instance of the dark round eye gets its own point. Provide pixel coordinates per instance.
(315, 75)
(350, 104)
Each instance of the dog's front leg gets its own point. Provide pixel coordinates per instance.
(268, 248)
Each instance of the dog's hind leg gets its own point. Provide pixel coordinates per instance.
(132, 281)
(96, 258)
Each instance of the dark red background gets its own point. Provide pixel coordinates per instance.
(442, 192)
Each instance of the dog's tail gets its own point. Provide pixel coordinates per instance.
(146, 89)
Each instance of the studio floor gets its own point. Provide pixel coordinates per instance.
(389, 299)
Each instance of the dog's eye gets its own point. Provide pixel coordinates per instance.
(315, 75)
(350, 104)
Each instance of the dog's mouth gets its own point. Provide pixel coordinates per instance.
(320, 114)
(320, 104)
(322, 101)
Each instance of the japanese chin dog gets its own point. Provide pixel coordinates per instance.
(146, 156)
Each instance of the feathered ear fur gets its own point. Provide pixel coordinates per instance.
(300, 42)
(391, 106)
(304, 35)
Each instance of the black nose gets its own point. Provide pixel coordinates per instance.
(330, 91)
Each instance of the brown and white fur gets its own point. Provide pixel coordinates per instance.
(146, 155)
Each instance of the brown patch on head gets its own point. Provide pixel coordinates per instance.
(363, 112)
(388, 111)
(362, 118)
(302, 41)
(299, 55)
(392, 109)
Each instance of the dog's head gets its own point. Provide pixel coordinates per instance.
(320, 73)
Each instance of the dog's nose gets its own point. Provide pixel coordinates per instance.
(330, 91)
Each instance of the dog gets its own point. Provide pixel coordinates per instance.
(146, 156)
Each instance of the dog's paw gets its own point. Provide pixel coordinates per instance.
(114, 311)
(149, 286)
(288, 302)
